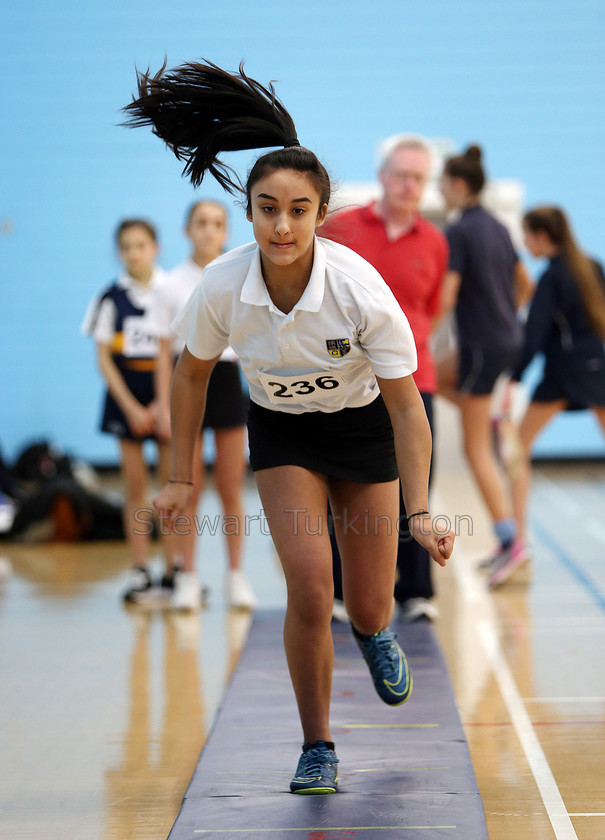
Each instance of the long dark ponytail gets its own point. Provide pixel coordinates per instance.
(200, 110)
(553, 222)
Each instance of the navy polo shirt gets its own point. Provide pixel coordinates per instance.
(557, 324)
(482, 253)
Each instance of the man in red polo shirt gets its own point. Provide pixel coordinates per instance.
(411, 254)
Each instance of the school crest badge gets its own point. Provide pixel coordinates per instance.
(338, 346)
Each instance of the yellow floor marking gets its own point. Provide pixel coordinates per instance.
(395, 769)
(323, 828)
(353, 726)
(384, 725)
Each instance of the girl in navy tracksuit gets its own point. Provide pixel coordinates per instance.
(566, 323)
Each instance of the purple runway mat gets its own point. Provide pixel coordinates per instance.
(404, 771)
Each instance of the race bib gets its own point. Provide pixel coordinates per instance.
(299, 389)
(139, 340)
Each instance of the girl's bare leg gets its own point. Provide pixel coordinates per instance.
(365, 522)
(599, 413)
(479, 451)
(229, 471)
(295, 502)
(134, 474)
(536, 417)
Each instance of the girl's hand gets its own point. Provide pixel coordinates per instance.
(438, 544)
(141, 420)
(171, 501)
(162, 423)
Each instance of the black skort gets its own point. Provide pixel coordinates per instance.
(226, 402)
(355, 444)
(479, 367)
(581, 388)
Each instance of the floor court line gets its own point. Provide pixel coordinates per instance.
(569, 563)
(596, 529)
(540, 768)
(545, 781)
(568, 505)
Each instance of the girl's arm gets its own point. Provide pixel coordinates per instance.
(187, 406)
(163, 377)
(449, 294)
(540, 322)
(413, 449)
(524, 285)
(139, 418)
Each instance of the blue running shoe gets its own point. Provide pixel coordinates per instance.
(316, 771)
(388, 666)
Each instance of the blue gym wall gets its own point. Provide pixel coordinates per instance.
(526, 79)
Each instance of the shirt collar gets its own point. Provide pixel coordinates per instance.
(472, 209)
(254, 290)
(372, 210)
(125, 281)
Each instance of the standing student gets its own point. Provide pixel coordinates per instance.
(226, 411)
(566, 323)
(334, 410)
(411, 254)
(127, 346)
(487, 283)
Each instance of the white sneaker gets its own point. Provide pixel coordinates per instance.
(415, 609)
(187, 593)
(140, 589)
(8, 511)
(239, 592)
(339, 611)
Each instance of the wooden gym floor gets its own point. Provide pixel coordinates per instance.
(105, 710)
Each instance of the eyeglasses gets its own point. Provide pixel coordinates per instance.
(404, 175)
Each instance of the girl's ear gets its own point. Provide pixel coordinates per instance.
(321, 215)
(460, 185)
(249, 215)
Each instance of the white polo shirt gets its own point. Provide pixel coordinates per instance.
(171, 296)
(324, 355)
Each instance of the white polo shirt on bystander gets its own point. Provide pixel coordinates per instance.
(324, 355)
(171, 296)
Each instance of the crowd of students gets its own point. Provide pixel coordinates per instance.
(472, 269)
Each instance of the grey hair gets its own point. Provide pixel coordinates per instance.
(388, 147)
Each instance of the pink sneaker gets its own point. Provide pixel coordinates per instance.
(507, 562)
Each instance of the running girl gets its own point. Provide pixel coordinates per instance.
(329, 356)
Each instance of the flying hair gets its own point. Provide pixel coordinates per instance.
(200, 111)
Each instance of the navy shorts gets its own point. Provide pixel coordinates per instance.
(581, 388)
(355, 444)
(226, 402)
(114, 422)
(479, 367)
